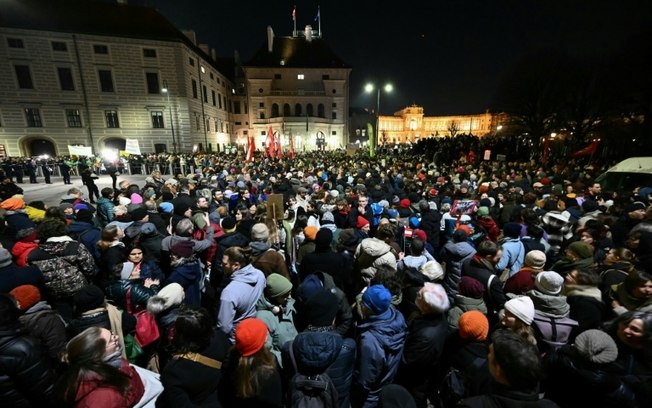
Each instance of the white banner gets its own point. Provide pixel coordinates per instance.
(132, 146)
(80, 150)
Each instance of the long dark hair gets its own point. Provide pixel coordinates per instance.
(193, 330)
(84, 355)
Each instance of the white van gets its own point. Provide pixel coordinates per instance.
(627, 175)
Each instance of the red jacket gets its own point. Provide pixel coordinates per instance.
(91, 393)
(20, 251)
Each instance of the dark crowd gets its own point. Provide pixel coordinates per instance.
(416, 278)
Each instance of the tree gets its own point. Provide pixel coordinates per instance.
(453, 127)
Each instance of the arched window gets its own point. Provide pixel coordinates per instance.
(286, 110)
(297, 110)
(309, 110)
(275, 110)
(320, 111)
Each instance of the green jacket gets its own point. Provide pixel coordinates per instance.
(280, 325)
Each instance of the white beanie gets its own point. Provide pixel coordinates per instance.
(522, 308)
(171, 295)
(549, 282)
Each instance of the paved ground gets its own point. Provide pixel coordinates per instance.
(51, 193)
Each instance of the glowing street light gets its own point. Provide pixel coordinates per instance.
(166, 91)
(369, 88)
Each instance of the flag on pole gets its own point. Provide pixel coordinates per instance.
(291, 153)
(251, 148)
(270, 143)
(279, 150)
(588, 150)
(294, 13)
(318, 14)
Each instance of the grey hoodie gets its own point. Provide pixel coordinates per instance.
(238, 299)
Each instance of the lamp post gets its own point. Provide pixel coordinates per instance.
(201, 70)
(370, 88)
(166, 91)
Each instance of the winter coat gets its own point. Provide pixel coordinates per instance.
(279, 322)
(505, 397)
(20, 250)
(551, 324)
(513, 257)
(25, 379)
(424, 346)
(17, 220)
(92, 393)
(464, 304)
(151, 245)
(453, 255)
(48, 327)
(268, 260)
(333, 263)
(99, 317)
(189, 383)
(104, 211)
(109, 258)
(370, 254)
(140, 294)
(12, 276)
(470, 357)
(628, 301)
(238, 299)
(87, 234)
(380, 343)
(430, 224)
(586, 307)
(189, 275)
(67, 265)
(481, 270)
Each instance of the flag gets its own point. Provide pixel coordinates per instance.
(294, 13)
(318, 14)
(546, 150)
(279, 150)
(291, 153)
(251, 148)
(588, 150)
(270, 143)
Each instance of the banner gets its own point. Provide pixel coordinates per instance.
(80, 150)
(588, 150)
(132, 147)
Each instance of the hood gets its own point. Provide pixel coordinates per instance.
(374, 247)
(258, 248)
(247, 275)
(316, 351)
(460, 249)
(388, 328)
(55, 247)
(79, 226)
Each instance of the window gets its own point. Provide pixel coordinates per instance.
(334, 132)
(333, 115)
(152, 83)
(33, 116)
(277, 76)
(212, 77)
(157, 119)
(236, 107)
(300, 77)
(74, 118)
(286, 110)
(24, 77)
(59, 46)
(204, 93)
(275, 110)
(325, 76)
(191, 61)
(111, 118)
(219, 100)
(263, 133)
(334, 105)
(297, 110)
(213, 96)
(194, 88)
(149, 53)
(262, 115)
(309, 109)
(239, 124)
(15, 43)
(106, 81)
(197, 122)
(101, 49)
(208, 125)
(320, 111)
(65, 79)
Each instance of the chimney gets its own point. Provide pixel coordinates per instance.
(270, 39)
(203, 47)
(191, 35)
(213, 54)
(308, 33)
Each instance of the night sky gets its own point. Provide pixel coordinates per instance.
(445, 55)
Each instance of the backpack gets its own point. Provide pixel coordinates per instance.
(83, 238)
(316, 391)
(455, 385)
(553, 332)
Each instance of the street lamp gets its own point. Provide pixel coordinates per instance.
(369, 88)
(166, 91)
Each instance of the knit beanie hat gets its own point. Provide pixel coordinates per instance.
(228, 224)
(483, 211)
(324, 238)
(519, 283)
(404, 203)
(136, 198)
(183, 249)
(321, 308)
(26, 296)
(522, 308)
(259, 232)
(512, 229)
(88, 298)
(582, 249)
(277, 285)
(395, 396)
(361, 222)
(167, 208)
(181, 208)
(250, 336)
(310, 232)
(536, 260)
(27, 234)
(377, 299)
(138, 213)
(327, 218)
(432, 270)
(84, 215)
(5, 258)
(173, 294)
(473, 325)
(421, 234)
(549, 282)
(471, 287)
(148, 229)
(596, 346)
(309, 287)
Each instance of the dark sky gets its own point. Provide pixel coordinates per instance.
(445, 55)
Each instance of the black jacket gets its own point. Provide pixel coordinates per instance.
(117, 291)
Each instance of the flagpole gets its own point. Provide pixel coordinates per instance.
(319, 20)
(294, 19)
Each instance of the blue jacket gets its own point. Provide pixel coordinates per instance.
(189, 276)
(513, 256)
(380, 343)
(87, 234)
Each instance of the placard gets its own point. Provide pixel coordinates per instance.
(132, 147)
(487, 155)
(80, 150)
(501, 157)
(275, 207)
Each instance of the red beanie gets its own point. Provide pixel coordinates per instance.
(250, 336)
(404, 203)
(362, 221)
(421, 234)
(26, 296)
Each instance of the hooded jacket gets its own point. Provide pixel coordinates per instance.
(267, 259)
(453, 255)
(279, 322)
(189, 275)
(238, 299)
(48, 326)
(370, 254)
(380, 343)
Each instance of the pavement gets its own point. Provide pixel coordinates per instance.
(51, 194)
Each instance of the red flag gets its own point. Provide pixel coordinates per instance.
(589, 150)
(279, 150)
(294, 13)
(270, 143)
(291, 154)
(251, 148)
(546, 150)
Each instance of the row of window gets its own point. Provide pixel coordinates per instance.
(62, 46)
(301, 77)
(73, 117)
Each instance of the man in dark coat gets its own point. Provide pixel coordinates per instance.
(481, 268)
(12, 275)
(8, 189)
(430, 224)
(325, 260)
(363, 209)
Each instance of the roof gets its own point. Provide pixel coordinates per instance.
(633, 165)
(296, 52)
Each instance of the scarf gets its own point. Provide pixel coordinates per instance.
(549, 305)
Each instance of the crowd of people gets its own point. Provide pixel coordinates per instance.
(398, 280)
